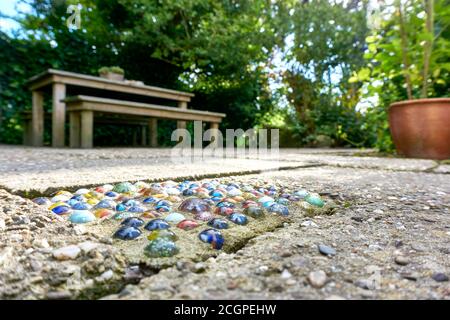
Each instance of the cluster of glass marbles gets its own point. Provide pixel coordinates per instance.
(157, 207)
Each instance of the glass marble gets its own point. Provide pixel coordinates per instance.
(233, 192)
(249, 203)
(123, 215)
(302, 193)
(254, 212)
(160, 248)
(283, 201)
(279, 209)
(151, 214)
(132, 222)
(81, 191)
(194, 205)
(103, 213)
(136, 209)
(105, 204)
(150, 200)
(315, 200)
(173, 191)
(121, 207)
(213, 237)
(203, 216)
(175, 217)
(188, 224)
(131, 203)
(124, 187)
(111, 194)
(42, 201)
(224, 211)
(81, 206)
(226, 204)
(162, 233)
(156, 224)
(127, 233)
(218, 223)
(162, 208)
(81, 216)
(61, 209)
(188, 192)
(60, 198)
(238, 218)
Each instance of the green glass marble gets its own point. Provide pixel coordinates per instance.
(160, 248)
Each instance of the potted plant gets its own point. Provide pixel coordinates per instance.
(112, 73)
(408, 59)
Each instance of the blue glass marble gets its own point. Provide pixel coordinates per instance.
(238, 218)
(82, 206)
(132, 222)
(156, 224)
(121, 207)
(61, 210)
(72, 202)
(218, 223)
(42, 201)
(81, 216)
(136, 209)
(149, 200)
(77, 197)
(105, 204)
(127, 233)
(188, 192)
(111, 194)
(225, 204)
(213, 237)
(131, 203)
(217, 193)
(161, 247)
(163, 203)
(302, 193)
(279, 209)
(162, 208)
(283, 201)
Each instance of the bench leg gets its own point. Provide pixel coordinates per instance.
(215, 126)
(87, 129)
(182, 124)
(153, 131)
(58, 115)
(27, 133)
(143, 136)
(38, 119)
(75, 127)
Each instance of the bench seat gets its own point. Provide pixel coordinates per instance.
(81, 111)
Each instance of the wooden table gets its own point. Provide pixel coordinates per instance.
(58, 81)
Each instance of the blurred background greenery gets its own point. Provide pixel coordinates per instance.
(323, 72)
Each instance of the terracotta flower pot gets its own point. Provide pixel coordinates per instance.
(421, 128)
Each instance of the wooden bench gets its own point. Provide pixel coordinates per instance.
(141, 127)
(81, 111)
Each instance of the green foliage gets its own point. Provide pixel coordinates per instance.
(328, 45)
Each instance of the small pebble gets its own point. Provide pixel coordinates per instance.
(326, 250)
(66, 253)
(317, 279)
(440, 277)
(401, 260)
